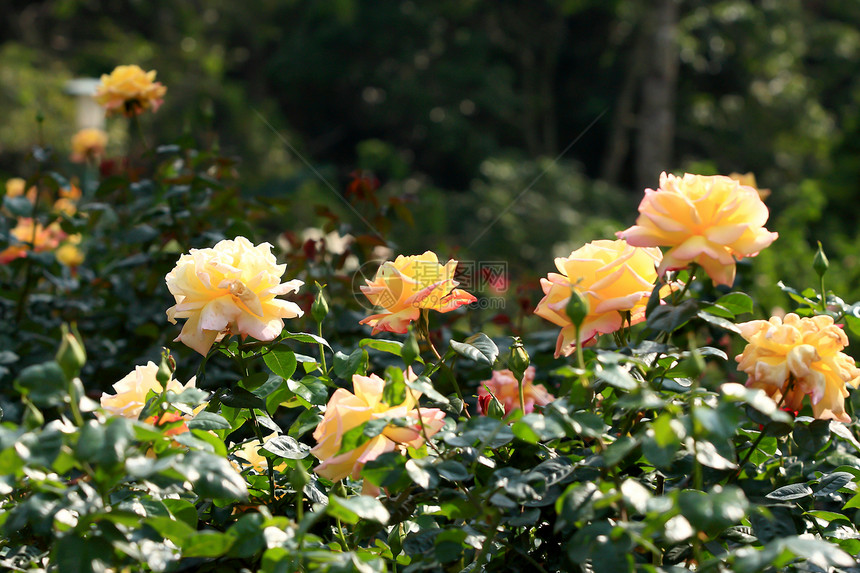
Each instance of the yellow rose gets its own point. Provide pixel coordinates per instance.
(24, 238)
(15, 188)
(709, 220)
(250, 452)
(68, 253)
(798, 356)
(506, 389)
(130, 91)
(230, 289)
(613, 277)
(130, 392)
(346, 411)
(88, 143)
(403, 287)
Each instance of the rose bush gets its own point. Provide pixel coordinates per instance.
(129, 394)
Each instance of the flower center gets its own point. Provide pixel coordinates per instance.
(244, 296)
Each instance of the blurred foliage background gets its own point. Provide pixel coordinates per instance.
(513, 130)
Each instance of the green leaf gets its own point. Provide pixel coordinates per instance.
(478, 348)
(207, 543)
(305, 337)
(833, 482)
(281, 361)
(238, 397)
(352, 509)
(488, 432)
(309, 389)
(390, 346)
(212, 476)
(287, 447)
(714, 511)
(172, 529)
(347, 366)
(208, 421)
(453, 470)
(813, 436)
(423, 385)
(183, 510)
(789, 492)
(736, 302)
(668, 318)
(615, 375)
(718, 321)
(73, 554)
(44, 384)
(534, 428)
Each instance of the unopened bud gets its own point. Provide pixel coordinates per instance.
(490, 406)
(410, 350)
(166, 368)
(577, 308)
(319, 309)
(518, 361)
(820, 263)
(71, 355)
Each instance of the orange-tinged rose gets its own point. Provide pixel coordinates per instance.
(249, 452)
(230, 289)
(505, 388)
(709, 220)
(797, 357)
(88, 144)
(346, 411)
(129, 396)
(403, 287)
(24, 237)
(171, 419)
(613, 276)
(130, 91)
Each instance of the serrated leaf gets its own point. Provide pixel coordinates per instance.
(281, 361)
(736, 302)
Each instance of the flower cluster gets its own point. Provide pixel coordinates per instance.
(794, 357)
(130, 91)
(708, 220)
(230, 289)
(345, 411)
(614, 278)
(409, 284)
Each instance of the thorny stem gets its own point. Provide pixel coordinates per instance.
(322, 350)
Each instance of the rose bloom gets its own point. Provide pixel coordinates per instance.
(806, 351)
(748, 179)
(68, 253)
(130, 392)
(230, 289)
(43, 239)
(613, 276)
(130, 91)
(250, 453)
(403, 287)
(88, 143)
(167, 418)
(505, 388)
(15, 188)
(346, 411)
(709, 220)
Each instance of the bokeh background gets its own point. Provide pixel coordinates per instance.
(512, 130)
